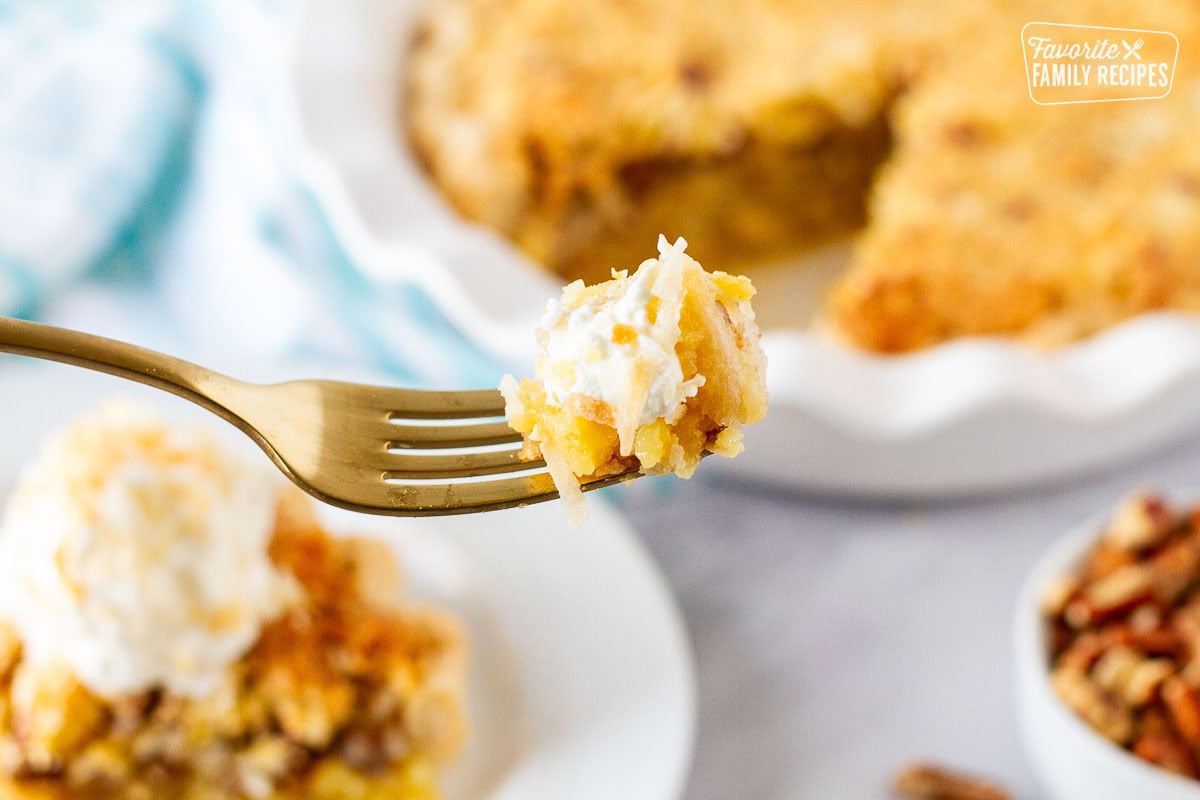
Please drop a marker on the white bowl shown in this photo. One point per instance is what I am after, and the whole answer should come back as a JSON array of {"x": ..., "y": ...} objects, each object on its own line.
[
  {"x": 976, "y": 415},
  {"x": 1072, "y": 761}
]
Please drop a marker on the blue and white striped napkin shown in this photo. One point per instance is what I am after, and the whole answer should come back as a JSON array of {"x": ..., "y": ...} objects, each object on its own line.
[{"x": 150, "y": 189}]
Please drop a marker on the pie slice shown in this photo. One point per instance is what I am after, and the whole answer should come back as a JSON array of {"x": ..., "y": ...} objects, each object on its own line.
[
  {"x": 645, "y": 372},
  {"x": 174, "y": 626}
]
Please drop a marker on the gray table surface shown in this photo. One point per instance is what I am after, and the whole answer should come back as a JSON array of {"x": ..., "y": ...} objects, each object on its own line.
[{"x": 835, "y": 641}]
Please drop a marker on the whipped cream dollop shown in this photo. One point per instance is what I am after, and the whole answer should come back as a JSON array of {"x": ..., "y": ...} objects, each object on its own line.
[
  {"x": 136, "y": 552},
  {"x": 621, "y": 349}
]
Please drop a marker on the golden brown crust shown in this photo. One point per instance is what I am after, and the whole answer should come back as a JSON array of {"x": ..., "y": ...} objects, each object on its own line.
[
  {"x": 581, "y": 129},
  {"x": 995, "y": 216},
  {"x": 344, "y": 690}
]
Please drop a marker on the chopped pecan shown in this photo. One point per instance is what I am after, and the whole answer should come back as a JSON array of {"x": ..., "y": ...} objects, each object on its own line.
[
  {"x": 931, "y": 782},
  {"x": 1116, "y": 593},
  {"x": 1141, "y": 522},
  {"x": 1059, "y": 593},
  {"x": 1185, "y": 622},
  {"x": 1081, "y": 654},
  {"x": 1105, "y": 559},
  {"x": 1144, "y": 682},
  {"x": 1182, "y": 702},
  {"x": 1146, "y": 618},
  {"x": 1166, "y": 750},
  {"x": 1104, "y": 711},
  {"x": 1173, "y": 570},
  {"x": 1153, "y": 642}
]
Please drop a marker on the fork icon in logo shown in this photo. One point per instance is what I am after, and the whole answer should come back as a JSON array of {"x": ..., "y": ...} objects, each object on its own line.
[{"x": 1132, "y": 49}]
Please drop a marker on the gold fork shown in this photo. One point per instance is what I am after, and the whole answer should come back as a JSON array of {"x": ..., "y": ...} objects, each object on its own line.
[{"x": 373, "y": 449}]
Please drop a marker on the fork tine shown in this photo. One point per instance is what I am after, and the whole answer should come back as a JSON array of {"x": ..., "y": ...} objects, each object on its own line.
[
  {"x": 420, "y": 497},
  {"x": 466, "y": 465},
  {"x": 492, "y": 495},
  {"x": 404, "y": 437},
  {"x": 508, "y": 492},
  {"x": 408, "y": 404}
]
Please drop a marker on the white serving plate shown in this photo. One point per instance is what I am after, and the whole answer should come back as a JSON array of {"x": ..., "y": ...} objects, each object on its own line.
[
  {"x": 581, "y": 676},
  {"x": 967, "y": 417}
]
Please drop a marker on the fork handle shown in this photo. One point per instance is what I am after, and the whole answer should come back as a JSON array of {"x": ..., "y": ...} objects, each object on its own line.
[{"x": 174, "y": 375}]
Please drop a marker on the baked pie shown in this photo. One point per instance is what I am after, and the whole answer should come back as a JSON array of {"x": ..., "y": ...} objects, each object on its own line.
[
  {"x": 647, "y": 371},
  {"x": 580, "y": 129},
  {"x": 174, "y": 625}
]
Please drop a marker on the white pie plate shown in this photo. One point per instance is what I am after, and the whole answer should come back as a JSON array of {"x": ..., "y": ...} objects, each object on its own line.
[
  {"x": 972, "y": 416},
  {"x": 582, "y": 681}
]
